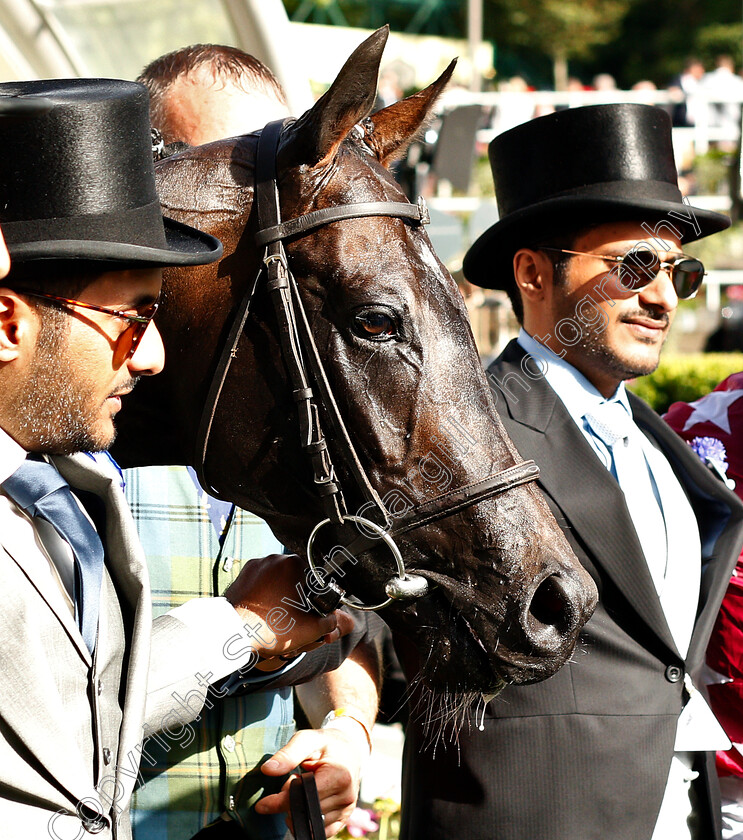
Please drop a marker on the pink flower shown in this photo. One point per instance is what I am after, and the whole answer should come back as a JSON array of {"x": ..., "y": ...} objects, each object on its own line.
[{"x": 361, "y": 823}]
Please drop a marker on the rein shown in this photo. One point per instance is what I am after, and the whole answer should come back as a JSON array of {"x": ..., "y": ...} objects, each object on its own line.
[{"x": 307, "y": 377}]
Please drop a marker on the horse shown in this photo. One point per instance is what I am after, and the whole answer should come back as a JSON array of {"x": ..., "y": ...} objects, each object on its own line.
[{"x": 345, "y": 393}]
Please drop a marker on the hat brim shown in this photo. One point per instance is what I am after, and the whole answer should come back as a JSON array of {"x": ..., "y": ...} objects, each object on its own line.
[
  {"x": 487, "y": 263},
  {"x": 185, "y": 245}
]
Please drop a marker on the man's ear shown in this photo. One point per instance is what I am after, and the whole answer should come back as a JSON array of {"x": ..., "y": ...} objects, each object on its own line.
[
  {"x": 17, "y": 324},
  {"x": 532, "y": 271}
]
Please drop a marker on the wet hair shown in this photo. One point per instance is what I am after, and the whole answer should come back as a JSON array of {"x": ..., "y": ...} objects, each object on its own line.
[{"x": 240, "y": 67}]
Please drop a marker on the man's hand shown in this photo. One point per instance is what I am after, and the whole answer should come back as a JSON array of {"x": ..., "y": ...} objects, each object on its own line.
[
  {"x": 277, "y": 627},
  {"x": 336, "y": 757}
]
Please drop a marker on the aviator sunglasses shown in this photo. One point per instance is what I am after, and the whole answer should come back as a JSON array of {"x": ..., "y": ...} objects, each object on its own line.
[
  {"x": 641, "y": 266},
  {"x": 137, "y": 323}
]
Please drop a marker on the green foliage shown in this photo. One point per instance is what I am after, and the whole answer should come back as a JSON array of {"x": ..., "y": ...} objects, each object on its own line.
[
  {"x": 685, "y": 378},
  {"x": 432, "y": 17},
  {"x": 657, "y": 35},
  {"x": 712, "y": 172},
  {"x": 564, "y": 27},
  {"x": 482, "y": 177},
  {"x": 718, "y": 39},
  {"x": 723, "y": 250}
]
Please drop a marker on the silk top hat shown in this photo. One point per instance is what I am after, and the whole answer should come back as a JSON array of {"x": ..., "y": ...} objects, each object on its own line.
[
  {"x": 602, "y": 163},
  {"x": 77, "y": 180}
]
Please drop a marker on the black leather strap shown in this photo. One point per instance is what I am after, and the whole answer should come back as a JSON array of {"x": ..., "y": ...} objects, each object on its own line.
[
  {"x": 317, "y": 218},
  {"x": 461, "y": 497},
  {"x": 304, "y": 804}
]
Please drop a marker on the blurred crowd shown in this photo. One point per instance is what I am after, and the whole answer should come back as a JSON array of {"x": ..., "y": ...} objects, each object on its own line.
[{"x": 698, "y": 96}]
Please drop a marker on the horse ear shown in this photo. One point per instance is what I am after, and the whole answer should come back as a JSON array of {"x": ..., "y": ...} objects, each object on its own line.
[
  {"x": 390, "y": 131},
  {"x": 315, "y": 137}
]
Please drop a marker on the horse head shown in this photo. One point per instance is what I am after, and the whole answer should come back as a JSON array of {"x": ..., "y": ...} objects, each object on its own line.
[{"x": 506, "y": 597}]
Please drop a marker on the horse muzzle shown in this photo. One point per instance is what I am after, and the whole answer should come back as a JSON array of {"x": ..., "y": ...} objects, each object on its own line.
[{"x": 555, "y": 610}]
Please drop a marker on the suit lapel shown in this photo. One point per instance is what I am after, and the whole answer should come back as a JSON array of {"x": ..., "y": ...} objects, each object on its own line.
[
  {"x": 25, "y": 693},
  {"x": 127, "y": 566},
  {"x": 48, "y": 587},
  {"x": 591, "y": 502}
]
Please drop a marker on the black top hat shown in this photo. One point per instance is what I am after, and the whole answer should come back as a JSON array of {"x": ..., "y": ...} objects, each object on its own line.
[
  {"x": 77, "y": 180},
  {"x": 24, "y": 106},
  {"x": 601, "y": 163}
]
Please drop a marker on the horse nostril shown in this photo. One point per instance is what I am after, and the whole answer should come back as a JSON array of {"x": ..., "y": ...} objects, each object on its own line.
[
  {"x": 551, "y": 613},
  {"x": 548, "y": 604}
]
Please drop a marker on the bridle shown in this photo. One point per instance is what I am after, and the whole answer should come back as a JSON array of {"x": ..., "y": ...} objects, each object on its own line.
[{"x": 310, "y": 389}]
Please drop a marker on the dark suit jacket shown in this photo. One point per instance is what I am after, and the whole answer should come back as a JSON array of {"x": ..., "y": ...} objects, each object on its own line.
[{"x": 584, "y": 755}]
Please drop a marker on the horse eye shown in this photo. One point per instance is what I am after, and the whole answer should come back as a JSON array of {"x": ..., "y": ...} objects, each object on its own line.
[{"x": 375, "y": 324}]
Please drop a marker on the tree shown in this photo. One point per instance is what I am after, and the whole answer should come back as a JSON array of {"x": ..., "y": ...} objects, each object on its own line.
[
  {"x": 434, "y": 17},
  {"x": 658, "y": 35},
  {"x": 562, "y": 29}
]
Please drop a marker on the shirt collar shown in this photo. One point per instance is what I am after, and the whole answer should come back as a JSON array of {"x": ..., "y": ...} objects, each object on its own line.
[
  {"x": 12, "y": 455},
  {"x": 577, "y": 394}
]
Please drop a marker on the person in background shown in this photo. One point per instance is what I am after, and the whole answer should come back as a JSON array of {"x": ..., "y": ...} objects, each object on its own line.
[
  {"x": 686, "y": 112},
  {"x": 724, "y": 84},
  {"x": 208, "y": 92},
  {"x": 713, "y": 427},
  {"x": 514, "y": 107},
  {"x": 196, "y": 545},
  {"x": 604, "y": 82},
  {"x": 620, "y": 742}
]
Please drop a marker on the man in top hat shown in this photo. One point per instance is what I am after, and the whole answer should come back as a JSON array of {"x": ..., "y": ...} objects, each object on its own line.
[
  {"x": 85, "y": 672},
  {"x": 618, "y": 743}
]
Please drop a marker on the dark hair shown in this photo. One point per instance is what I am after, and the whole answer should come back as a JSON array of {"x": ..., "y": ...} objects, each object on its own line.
[
  {"x": 240, "y": 67},
  {"x": 554, "y": 235},
  {"x": 66, "y": 278}
]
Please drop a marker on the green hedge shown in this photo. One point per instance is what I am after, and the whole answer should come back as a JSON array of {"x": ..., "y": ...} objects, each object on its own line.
[{"x": 685, "y": 378}]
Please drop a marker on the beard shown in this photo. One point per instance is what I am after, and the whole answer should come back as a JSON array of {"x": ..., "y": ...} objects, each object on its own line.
[
  {"x": 58, "y": 410},
  {"x": 594, "y": 344}
]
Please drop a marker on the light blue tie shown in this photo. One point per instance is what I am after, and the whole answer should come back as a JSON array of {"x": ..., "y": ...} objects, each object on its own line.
[
  {"x": 40, "y": 490},
  {"x": 663, "y": 518},
  {"x": 612, "y": 423}
]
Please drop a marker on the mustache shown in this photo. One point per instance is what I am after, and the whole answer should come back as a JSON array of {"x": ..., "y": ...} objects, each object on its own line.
[
  {"x": 126, "y": 386},
  {"x": 643, "y": 312}
]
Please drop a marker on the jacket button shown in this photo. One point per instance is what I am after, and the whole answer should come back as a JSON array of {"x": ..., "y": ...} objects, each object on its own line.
[
  {"x": 674, "y": 673},
  {"x": 100, "y": 688},
  {"x": 106, "y": 755}
]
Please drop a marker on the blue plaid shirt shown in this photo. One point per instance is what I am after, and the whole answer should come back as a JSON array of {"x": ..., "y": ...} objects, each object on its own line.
[{"x": 212, "y": 771}]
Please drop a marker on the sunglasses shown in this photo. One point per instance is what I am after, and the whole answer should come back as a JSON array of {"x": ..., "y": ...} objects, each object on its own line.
[
  {"x": 641, "y": 266},
  {"x": 128, "y": 341}
]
